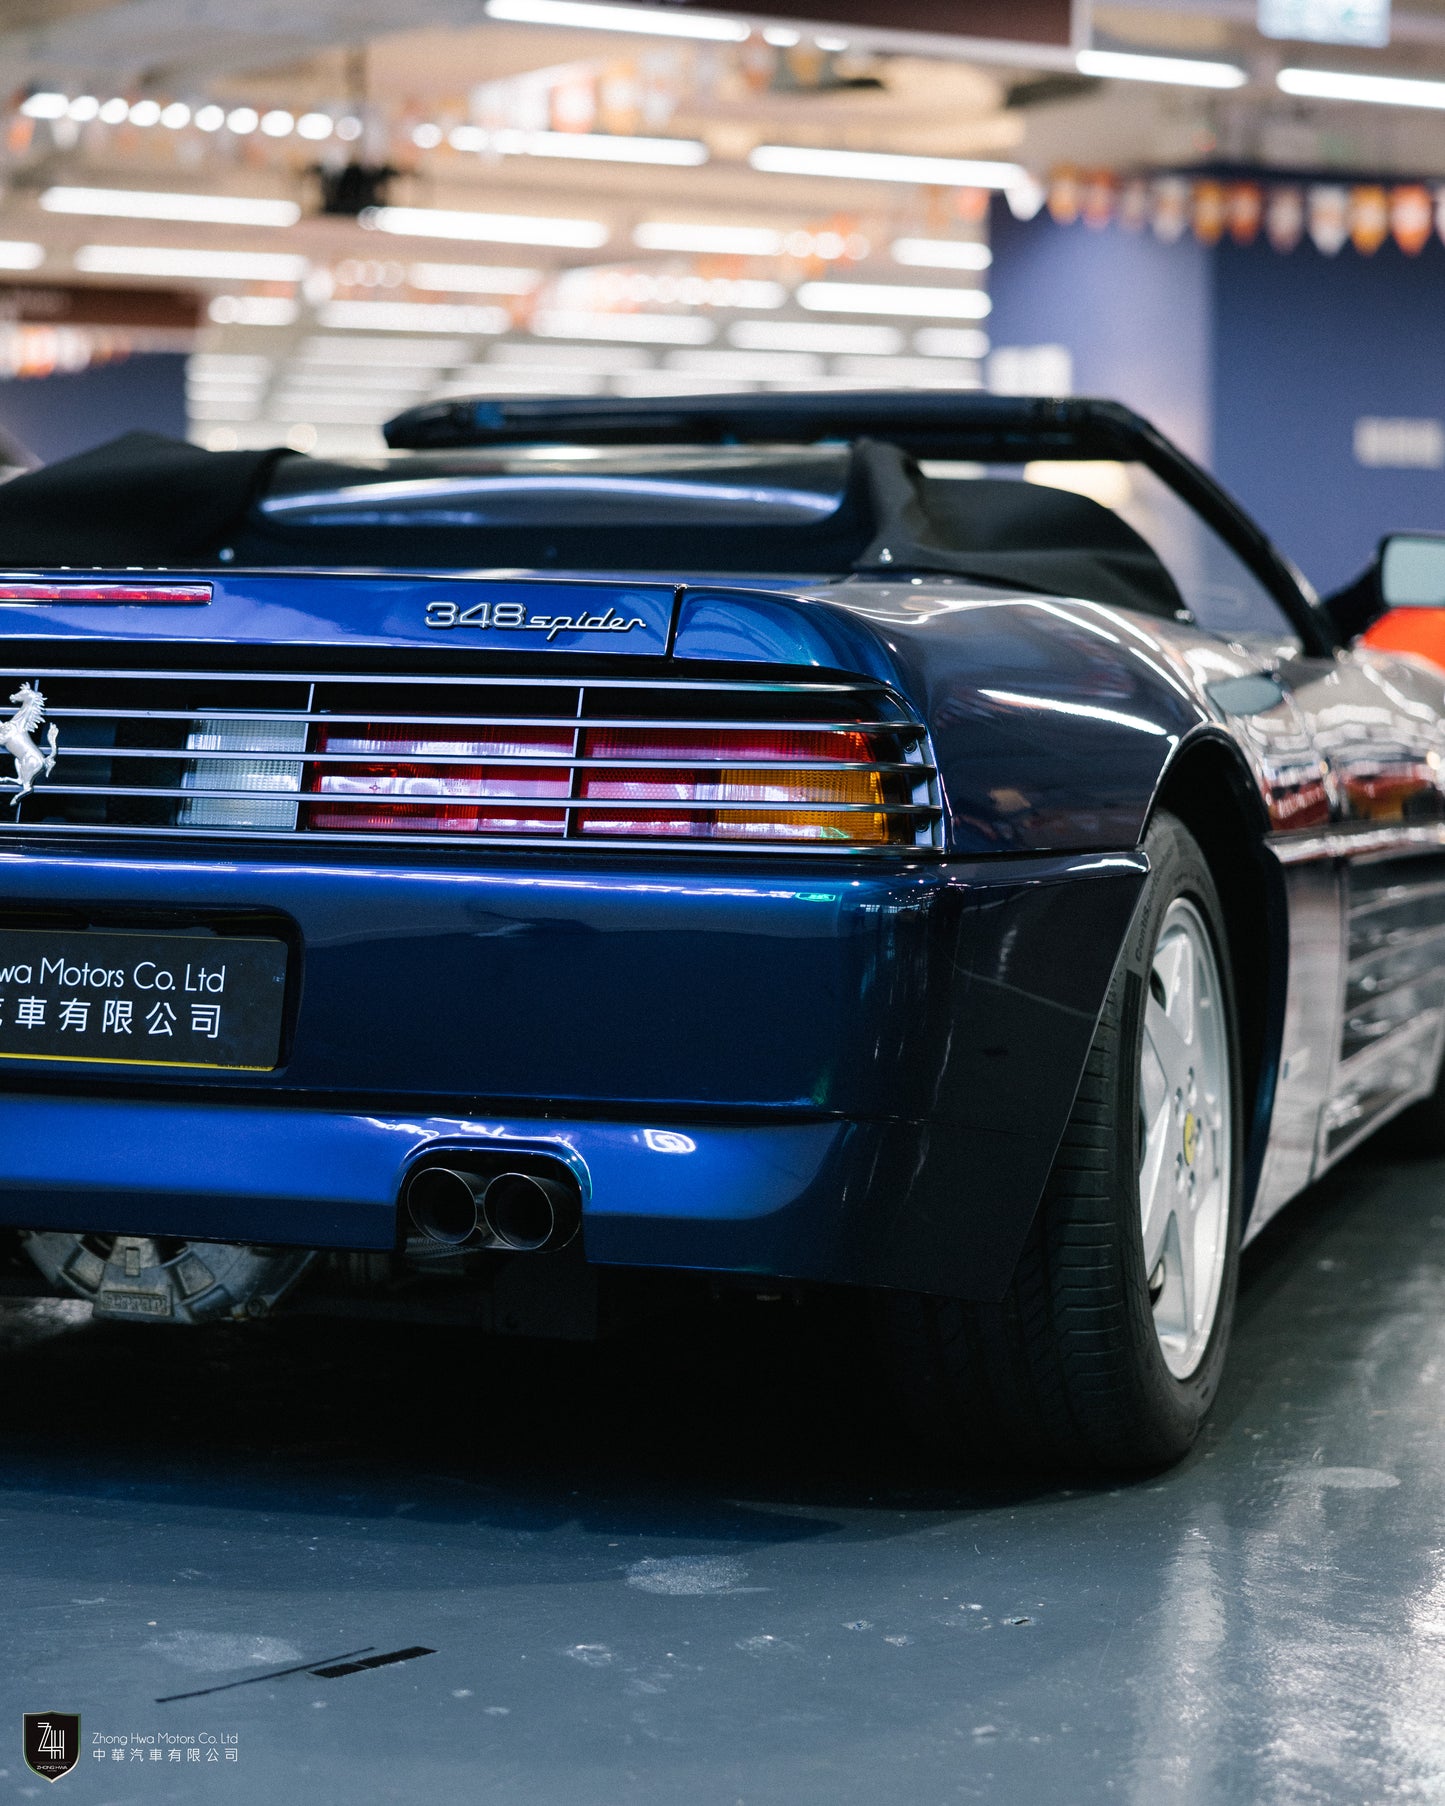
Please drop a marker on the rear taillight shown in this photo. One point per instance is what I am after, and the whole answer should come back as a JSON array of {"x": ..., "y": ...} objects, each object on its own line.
[
  {"x": 735, "y": 784},
  {"x": 384, "y": 777},
  {"x": 622, "y": 782}
]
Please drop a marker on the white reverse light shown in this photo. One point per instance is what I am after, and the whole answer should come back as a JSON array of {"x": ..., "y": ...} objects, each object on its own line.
[
  {"x": 17, "y": 254},
  {"x": 892, "y": 298},
  {"x": 942, "y": 253},
  {"x": 163, "y": 260},
  {"x": 1382, "y": 90},
  {"x": 134, "y": 203},
  {"x": 705, "y": 240},
  {"x": 581, "y": 15},
  {"x": 1179, "y": 71},
  {"x": 492, "y": 228},
  {"x": 883, "y": 166}
]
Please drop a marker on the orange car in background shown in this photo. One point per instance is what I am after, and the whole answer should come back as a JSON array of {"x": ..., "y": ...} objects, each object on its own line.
[{"x": 1416, "y": 629}]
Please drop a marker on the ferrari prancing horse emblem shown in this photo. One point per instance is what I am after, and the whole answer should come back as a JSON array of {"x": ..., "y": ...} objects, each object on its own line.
[{"x": 17, "y": 737}]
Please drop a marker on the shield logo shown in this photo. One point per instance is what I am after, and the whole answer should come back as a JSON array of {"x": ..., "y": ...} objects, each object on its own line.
[{"x": 52, "y": 1743}]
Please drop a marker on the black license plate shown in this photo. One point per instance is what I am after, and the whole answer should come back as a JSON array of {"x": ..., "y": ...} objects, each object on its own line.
[{"x": 141, "y": 999}]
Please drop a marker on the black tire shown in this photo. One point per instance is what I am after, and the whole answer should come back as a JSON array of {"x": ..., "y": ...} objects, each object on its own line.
[{"x": 1067, "y": 1371}]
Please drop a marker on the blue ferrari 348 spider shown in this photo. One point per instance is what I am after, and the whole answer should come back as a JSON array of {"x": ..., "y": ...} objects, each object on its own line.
[{"x": 932, "y": 845}]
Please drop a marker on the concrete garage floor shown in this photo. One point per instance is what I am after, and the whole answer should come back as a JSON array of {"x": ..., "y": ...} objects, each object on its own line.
[{"x": 675, "y": 1573}]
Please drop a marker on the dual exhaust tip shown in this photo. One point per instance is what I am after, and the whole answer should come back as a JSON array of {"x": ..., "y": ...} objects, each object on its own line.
[{"x": 520, "y": 1212}]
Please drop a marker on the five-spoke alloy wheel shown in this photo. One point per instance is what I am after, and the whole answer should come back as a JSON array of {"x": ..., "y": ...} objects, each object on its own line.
[{"x": 1108, "y": 1348}]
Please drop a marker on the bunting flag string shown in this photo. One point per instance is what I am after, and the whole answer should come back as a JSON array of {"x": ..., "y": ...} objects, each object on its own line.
[{"x": 1330, "y": 215}]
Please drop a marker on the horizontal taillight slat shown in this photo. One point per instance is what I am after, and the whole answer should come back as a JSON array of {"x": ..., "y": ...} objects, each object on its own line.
[
  {"x": 361, "y": 758},
  {"x": 333, "y": 718}
]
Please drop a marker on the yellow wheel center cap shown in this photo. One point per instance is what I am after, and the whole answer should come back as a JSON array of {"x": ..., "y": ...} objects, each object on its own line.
[{"x": 1191, "y": 1136}]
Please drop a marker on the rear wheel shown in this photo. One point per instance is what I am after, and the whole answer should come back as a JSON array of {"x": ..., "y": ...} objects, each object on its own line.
[{"x": 1108, "y": 1347}]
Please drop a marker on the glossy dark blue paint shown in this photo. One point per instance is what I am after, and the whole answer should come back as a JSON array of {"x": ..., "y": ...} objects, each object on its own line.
[
  {"x": 366, "y": 608},
  {"x": 1052, "y": 720},
  {"x": 872, "y": 1058},
  {"x": 925, "y": 1026}
]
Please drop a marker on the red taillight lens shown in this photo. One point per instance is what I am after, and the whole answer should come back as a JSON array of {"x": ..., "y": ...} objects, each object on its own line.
[
  {"x": 105, "y": 592},
  {"x": 737, "y": 784},
  {"x": 383, "y": 777},
  {"x": 809, "y": 785}
]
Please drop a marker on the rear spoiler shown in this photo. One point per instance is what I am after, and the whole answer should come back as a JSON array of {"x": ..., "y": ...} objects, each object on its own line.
[{"x": 970, "y": 425}]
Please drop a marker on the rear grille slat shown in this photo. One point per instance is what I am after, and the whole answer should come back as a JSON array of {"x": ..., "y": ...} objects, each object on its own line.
[{"x": 503, "y": 760}]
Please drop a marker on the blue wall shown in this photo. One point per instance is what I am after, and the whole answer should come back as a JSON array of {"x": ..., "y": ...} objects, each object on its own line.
[
  {"x": 1257, "y": 361},
  {"x": 1134, "y": 313},
  {"x": 1304, "y": 346},
  {"x": 52, "y": 416}
]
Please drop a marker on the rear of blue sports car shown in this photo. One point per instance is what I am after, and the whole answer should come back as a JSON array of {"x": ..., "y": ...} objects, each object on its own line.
[{"x": 456, "y": 939}]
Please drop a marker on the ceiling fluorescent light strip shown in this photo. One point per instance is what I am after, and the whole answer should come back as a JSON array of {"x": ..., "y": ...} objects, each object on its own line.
[
  {"x": 493, "y": 228},
  {"x": 200, "y": 265},
  {"x": 585, "y": 147},
  {"x": 411, "y": 316},
  {"x": 580, "y": 15},
  {"x": 1380, "y": 90},
  {"x": 1177, "y": 71},
  {"x": 704, "y": 240},
  {"x": 810, "y": 335},
  {"x": 253, "y": 310},
  {"x": 215, "y": 209},
  {"x": 472, "y": 279},
  {"x": 941, "y": 253},
  {"x": 18, "y": 254},
  {"x": 433, "y": 352},
  {"x": 890, "y": 299},
  {"x": 637, "y": 328},
  {"x": 883, "y": 166}
]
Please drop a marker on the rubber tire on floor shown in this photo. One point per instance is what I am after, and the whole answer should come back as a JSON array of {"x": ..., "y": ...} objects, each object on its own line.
[{"x": 1067, "y": 1371}]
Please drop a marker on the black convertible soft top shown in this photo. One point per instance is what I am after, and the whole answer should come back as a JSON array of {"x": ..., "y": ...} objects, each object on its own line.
[{"x": 143, "y": 500}]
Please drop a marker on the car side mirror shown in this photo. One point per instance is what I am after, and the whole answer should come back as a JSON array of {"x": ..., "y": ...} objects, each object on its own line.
[
  {"x": 1408, "y": 572},
  {"x": 1412, "y": 570}
]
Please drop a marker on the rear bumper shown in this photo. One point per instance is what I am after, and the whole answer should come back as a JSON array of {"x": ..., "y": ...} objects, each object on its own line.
[{"x": 856, "y": 1076}]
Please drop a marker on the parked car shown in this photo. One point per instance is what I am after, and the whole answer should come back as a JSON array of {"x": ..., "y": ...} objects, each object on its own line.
[{"x": 927, "y": 844}]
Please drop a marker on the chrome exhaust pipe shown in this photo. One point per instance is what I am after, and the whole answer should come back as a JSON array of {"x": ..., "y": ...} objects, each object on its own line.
[
  {"x": 525, "y": 1212},
  {"x": 520, "y": 1212},
  {"x": 445, "y": 1205}
]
